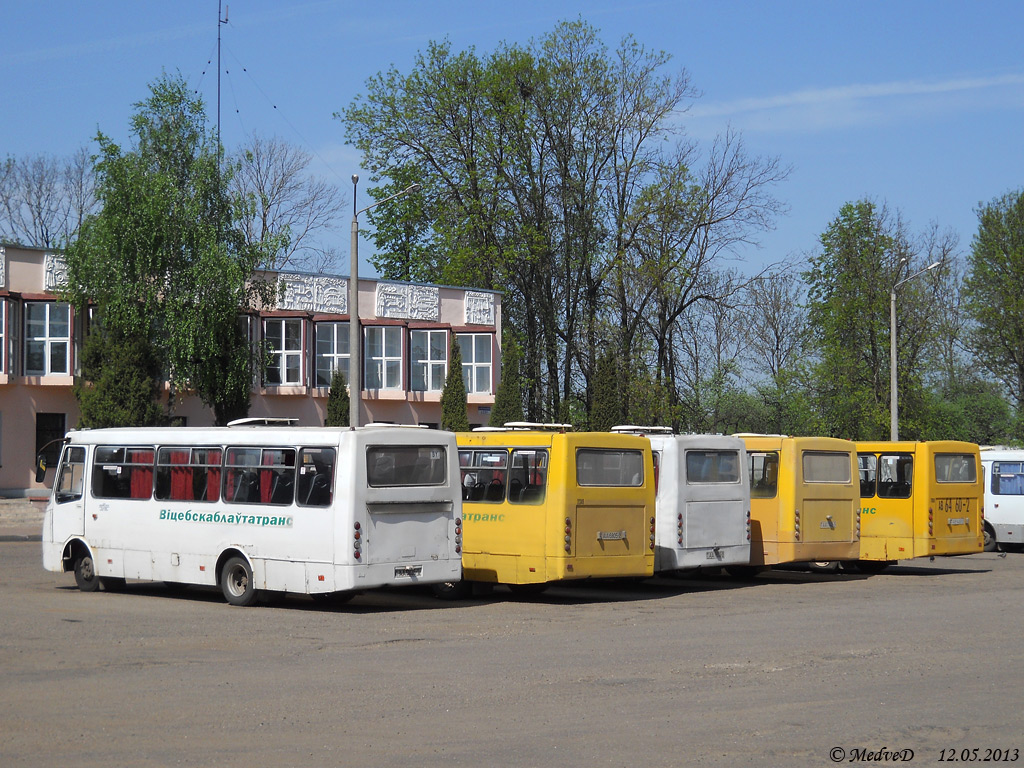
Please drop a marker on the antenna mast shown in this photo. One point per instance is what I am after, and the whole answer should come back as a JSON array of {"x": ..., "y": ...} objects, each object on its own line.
[{"x": 220, "y": 21}]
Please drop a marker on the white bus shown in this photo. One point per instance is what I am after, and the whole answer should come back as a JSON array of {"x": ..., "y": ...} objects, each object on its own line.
[
  {"x": 703, "y": 499},
  {"x": 1004, "y": 498},
  {"x": 318, "y": 511}
]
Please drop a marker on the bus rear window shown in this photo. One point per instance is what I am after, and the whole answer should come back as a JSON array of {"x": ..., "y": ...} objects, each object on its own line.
[
  {"x": 712, "y": 467},
  {"x": 826, "y": 467},
  {"x": 955, "y": 468},
  {"x": 389, "y": 466},
  {"x": 609, "y": 467}
]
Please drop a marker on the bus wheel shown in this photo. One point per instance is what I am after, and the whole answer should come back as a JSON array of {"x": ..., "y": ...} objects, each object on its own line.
[
  {"x": 236, "y": 582},
  {"x": 85, "y": 574},
  {"x": 824, "y": 566},
  {"x": 991, "y": 545},
  {"x": 452, "y": 590}
]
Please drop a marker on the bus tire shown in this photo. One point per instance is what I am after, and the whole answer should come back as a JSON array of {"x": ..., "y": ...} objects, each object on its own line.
[
  {"x": 85, "y": 573},
  {"x": 991, "y": 545},
  {"x": 452, "y": 590},
  {"x": 824, "y": 566},
  {"x": 236, "y": 582}
]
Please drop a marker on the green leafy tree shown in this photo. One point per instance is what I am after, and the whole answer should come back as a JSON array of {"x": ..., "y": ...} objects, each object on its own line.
[
  {"x": 453, "y": 396},
  {"x": 508, "y": 400},
  {"x": 165, "y": 259},
  {"x": 994, "y": 295},
  {"x": 539, "y": 166},
  {"x": 865, "y": 253},
  {"x": 338, "y": 402},
  {"x": 119, "y": 386}
]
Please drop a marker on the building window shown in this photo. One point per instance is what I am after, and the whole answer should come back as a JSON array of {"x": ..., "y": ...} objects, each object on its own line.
[
  {"x": 47, "y": 338},
  {"x": 49, "y": 434},
  {"x": 331, "y": 352},
  {"x": 428, "y": 360},
  {"x": 284, "y": 337},
  {"x": 383, "y": 358},
  {"x": 476, "y": 362}
]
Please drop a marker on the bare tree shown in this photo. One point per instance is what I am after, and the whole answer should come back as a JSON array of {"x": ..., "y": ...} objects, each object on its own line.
[
  {"x": 44, "y": 199},
  {"x": 775, "y": 324},
  {"x": 285, "y": 199}
]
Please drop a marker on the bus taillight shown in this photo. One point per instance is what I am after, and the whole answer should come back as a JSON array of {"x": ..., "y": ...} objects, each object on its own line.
[
  {"x": 458, "y": 535},
  {"x": 652, "y": 534},
  {"x": 679, "y": 528},
  {"x": 568, "y": 534},
  {"x": 357, "y": 544}
]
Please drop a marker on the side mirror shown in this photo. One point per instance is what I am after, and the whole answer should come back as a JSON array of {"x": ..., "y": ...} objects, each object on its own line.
[{"x": 40, "y": 468}]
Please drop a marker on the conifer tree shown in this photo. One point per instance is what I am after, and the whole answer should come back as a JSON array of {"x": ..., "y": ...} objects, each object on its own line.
[
  {"x": 337, "y": 402},
  {"x": 508, "y": 401},
  {"x": 453, "y": 396}
]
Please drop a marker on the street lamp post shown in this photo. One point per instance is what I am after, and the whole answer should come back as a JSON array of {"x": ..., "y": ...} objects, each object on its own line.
[
  {"x": 894, "y": 419},
  {"x": 355, "y": 380}
]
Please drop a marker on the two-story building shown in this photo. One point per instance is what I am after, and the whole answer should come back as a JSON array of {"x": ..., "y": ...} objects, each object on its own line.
[{"x": 407, "y": 332}]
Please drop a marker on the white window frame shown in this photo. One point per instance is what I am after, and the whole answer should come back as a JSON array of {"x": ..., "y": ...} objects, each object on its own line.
[
  {"x": 48, "y": 341},
  {"x": 387, "y": 368},
  {"x": 281, "y": 357},
  {"x": 330, "y": 359},
  {"x": 3, "y": 336},
  {"x": 474, "y": 370},
  {"x": 434, "y": 368}
]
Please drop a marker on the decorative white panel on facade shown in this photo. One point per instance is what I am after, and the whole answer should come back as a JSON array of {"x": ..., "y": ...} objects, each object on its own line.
[
  {"x": 424, "y": 302},
  {"x": 408, "y": 302},
  {"x": 3, "y": 267},
  {"x": 479, "y": 308},
  {"x": 332, "y": 295},
  {"x": 55, "y": 271},
  {"x": 310, "y": 293}
]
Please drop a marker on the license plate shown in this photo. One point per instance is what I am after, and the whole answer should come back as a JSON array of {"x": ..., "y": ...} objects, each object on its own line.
[
  {"x": 611, "y": 535},
  {"x": 408, "y": 571}
]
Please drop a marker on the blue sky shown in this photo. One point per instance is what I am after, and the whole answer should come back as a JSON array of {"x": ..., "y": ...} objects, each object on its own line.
[{"x": 916, "y": 104}]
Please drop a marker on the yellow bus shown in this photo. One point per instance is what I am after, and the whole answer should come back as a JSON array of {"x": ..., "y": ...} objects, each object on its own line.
[
  {"x": 804, "y": 499},
  {"x": 543, "y": 504},
  {"x": 919, "y": 499}
]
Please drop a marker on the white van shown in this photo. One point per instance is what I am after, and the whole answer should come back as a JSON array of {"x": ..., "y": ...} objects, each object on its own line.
[{"x": 1004, "y": 498}]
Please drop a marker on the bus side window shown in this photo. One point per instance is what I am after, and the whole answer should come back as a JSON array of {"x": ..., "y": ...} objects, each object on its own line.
[
  {"x": 866, "y": 468},
  {"x": 316, "y": 477},
  {"x": 1008, "y": 478},
  {"x": 528, "y": 476},
  {"x": 70, "y": 480},
  {"x": 895, "y": 473},
  {"x": 764, "y": 474},
  {"x": 121, "y": 472}
]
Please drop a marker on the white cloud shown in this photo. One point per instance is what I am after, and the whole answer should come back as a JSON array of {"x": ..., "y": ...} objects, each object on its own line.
[{"x": 813, "y": 109}]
